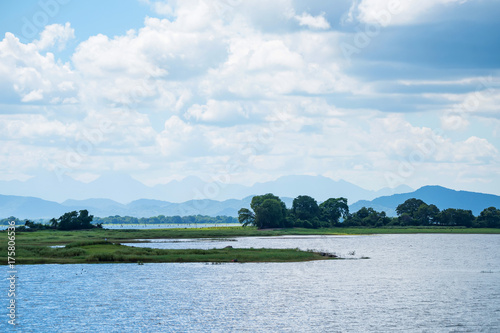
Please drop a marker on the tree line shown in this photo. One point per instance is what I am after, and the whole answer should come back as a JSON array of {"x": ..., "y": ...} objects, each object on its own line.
[
  {"x": 269, "y": 211},
  {"x": 83, "y": 220},
  {"x": 161, "y": 219},
  {"x": 68, "y": 221}
]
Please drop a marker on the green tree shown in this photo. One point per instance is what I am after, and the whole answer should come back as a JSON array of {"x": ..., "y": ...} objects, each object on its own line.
[
  {"x": 409, "y": 207},
  {"x": 332, "y": 209},
  {"x": 246, "y": 217},
  {"x": 259, "y": 199},
  {"x": 458, "y": 217},
  {"x": 426, "y": 214},
  {"x": 489, "y": 218},
  {"x": 74, "y": 220},
  {"x": 305, "y": 208},
  {"x": 367, "y": 217},
  {"x": 53, "y": 223},
  {"x": 269, "y": 214}
]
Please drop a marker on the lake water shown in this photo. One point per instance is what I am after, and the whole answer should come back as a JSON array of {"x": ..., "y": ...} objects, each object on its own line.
[
  {"x": 411, "y": 283},
  {"x": 170, "y": 226}
]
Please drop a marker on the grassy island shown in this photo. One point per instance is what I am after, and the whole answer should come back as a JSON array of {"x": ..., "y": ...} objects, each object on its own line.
[
  {"x": 103, "y": 245},
  {"x": 107, "y": 252}
]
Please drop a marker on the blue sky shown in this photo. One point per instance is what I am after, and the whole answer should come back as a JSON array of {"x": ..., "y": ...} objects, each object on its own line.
[{"x": 247, "y": 91}]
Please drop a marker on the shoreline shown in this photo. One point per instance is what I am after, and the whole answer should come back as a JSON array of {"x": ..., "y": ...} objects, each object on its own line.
[{"x": 104, "y": 245}]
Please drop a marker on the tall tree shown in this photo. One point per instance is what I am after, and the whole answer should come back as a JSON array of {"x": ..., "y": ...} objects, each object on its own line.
[
  {"x": 332, "y": 209},
  {"x": 409, "y": 207},
  {"x": 259, "y": 199},
  {"x": 459, "y": 217},
  {"x": 305, "y": 208},
  {"x": 489, "y": 218},
  {"x": 74, "y": 220},
  {"x": 246, "y": 217},
  {"x": 426, "y": 214},
  {"x": 367, "y": 217},
  {"x": 269, "y": 214}
]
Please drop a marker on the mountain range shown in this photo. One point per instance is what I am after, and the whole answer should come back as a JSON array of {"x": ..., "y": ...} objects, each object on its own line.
[
  {"x": 442, "y": 197},
  {"x": 124, "y": 189},
  {"x": 33, "y": 208}
]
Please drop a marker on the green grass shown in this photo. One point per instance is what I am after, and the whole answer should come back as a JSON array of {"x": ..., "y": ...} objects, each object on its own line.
[
  {"x": 57, "y": 237},
  {"x": 101, "y": 245},
  {"x": 106, "y": 252}
]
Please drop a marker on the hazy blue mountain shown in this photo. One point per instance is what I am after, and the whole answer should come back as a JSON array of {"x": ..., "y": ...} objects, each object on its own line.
[
  {"x": 123, "y": 189},
  {"x": 93, "y": 203},
  {"x": 33, "y": 208},
  {"x": 442, "y": 197},
  {"x": 321, "y": 188},
  {"x": 29, "y": 207},
  {"x": 46, "y": 185}
]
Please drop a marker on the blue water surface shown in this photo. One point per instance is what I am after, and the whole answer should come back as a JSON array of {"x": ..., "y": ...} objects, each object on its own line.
[{"x": 411, "y": 283}]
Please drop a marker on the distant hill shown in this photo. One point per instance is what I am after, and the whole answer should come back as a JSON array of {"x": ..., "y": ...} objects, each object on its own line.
[
  {"x": 29, "y": 207},
  {"x": 442, "y": 197},
  {"x": 122, "y": 189},
  {"x": 34, "y": 208}
]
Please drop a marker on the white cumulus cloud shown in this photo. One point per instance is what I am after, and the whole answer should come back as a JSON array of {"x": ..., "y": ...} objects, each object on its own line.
[{"x": 314, "y": 22}]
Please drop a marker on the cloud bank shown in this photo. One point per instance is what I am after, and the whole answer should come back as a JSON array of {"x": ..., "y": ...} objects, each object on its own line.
[{"x": 251, "y": 91}]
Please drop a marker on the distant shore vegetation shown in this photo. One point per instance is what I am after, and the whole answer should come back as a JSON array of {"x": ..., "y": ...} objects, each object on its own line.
[
  {"x": 74, "y": 220},
  {"x": 269, "y": 211},
  {"x": 130, "y": 220},
  {"x": 161, "y": 219}
]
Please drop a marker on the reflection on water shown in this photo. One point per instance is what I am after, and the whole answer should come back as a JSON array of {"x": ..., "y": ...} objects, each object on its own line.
[{"x": 414, "y": 283}]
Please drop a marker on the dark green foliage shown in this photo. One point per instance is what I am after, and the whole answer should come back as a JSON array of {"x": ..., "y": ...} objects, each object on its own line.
[
  {"x": 416, "y": 212},
  {"x": 246, "y": 217},
  {"x": 367, "y": 217},
  {"x": 455, "y": 217},
  {"x": 304, "y": 207},
  {"x": 426, "y": 214},
  {"x": 161, "y": 219},
  {"x": 10, "y": 219},
  {"x": 333, "y": 209},
  {"x": 32, "y": 226},
  {"x": 258, "y": 200},
  {"x": 409, "y": 207},
  {"x": 489, "y": 218},
  {"x": 75, "y": 221},
  {"x": 268, "y": 212}
]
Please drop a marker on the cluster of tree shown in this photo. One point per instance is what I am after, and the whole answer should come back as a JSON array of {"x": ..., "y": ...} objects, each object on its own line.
[
  {"x": 416, "y": 212},
  {"x": 269, "y": 211},
  {"x": 160, "y": 219},
  {"x": 9, "y": 220},
  {"x": 17, "y": 221},
  {"x": 68, "y": 221},
  {"x": 367, "y": 217}
]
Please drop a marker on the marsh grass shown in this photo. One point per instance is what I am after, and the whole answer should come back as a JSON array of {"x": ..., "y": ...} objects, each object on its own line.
[
  {"x": 57, "y": 237},
  {"x": 114, "y": 253},
  {"x": 102, "y": 245}
]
